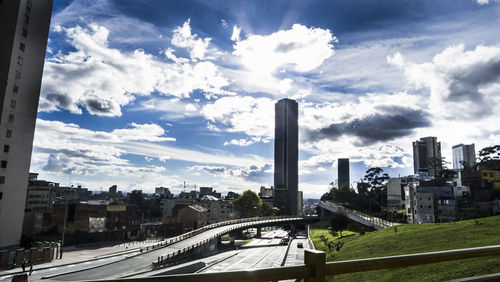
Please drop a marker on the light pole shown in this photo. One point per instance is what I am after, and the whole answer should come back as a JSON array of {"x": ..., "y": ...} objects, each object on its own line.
[{"x": 64, "y": 225}]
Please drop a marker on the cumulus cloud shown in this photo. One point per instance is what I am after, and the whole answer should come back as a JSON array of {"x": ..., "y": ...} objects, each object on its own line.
[
  {"x": 302, "y": 47},
  {"x": 171, "y": 108},
  {"x": 252, "y": 116},
  {"x": 252, "y": 173},
  {"x": 184, "y": 38},
  {"x": 103, "y": 79},
  {"x": 460, "y": 81},
  {"x": 377, "y": 127}
]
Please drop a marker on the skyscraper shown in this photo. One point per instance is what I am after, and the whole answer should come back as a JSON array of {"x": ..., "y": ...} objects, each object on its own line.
[
  {"x": 343, "y": 173},
  {"x": 24, "y": 27},
  {"x": 463, "y": 153},
  {"x": 426, "y": 155},
  {"x": 286, "y": 155}
]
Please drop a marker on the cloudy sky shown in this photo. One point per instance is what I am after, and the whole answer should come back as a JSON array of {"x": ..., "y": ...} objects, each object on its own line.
[{"x": 154, "y": 93}]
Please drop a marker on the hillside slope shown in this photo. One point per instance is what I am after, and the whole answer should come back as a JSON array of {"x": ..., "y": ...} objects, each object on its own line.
[{"x": 419, "y": 238}]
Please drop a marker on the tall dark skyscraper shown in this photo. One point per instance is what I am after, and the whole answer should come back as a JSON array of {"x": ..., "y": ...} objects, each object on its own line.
[
  {"x": 343, "y": 173},
  {"x": 24, "y": 28},
  {"x": 286, "y": 156},
  {"x": 425, "y": 153}
]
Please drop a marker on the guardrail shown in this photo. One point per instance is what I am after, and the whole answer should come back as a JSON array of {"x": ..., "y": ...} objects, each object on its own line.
[
  {"x": 241, "y": 223},
  {"x": 316, "y": 269},
  {"x": 374, "y": 220},
  {"x": 170, "y": 241}
]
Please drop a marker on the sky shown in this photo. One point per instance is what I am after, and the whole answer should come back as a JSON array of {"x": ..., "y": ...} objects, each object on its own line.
[{"x": 150, "y": 93}]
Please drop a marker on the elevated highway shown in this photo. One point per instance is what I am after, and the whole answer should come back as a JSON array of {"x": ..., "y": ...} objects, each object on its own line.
[
  {"x": 365, "y": 219},
  {"x": 188, "y": 245}
]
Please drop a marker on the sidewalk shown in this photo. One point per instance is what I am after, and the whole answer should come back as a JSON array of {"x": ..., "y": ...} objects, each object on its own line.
[{"x": 88, "y": 252}]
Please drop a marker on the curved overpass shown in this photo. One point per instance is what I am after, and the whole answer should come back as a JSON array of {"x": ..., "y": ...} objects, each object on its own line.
[
  {"x": 365, "y": 219},
  {"x": 204, "y": 238}
]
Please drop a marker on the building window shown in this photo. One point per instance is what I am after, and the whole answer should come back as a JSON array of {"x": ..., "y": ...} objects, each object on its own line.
[
  {"x": 28, "y": 6},
  {"x": 11, "y": 118},
  {"x": 26, "y": 19},
  {"x": 25, "y": 32},
  {"x": 19, "y": 60},
  {"x": 2, "y": 179},
  {"x": 18, "y": 74},
  {"x": 429, "y": 207},
  {"x": 12, "y": 103},
  {"x": 3, "y": 164},
  {"x": 22, "y": 46},
  {"x": 15, "y": 88},
  {"x": 1, "y": 195},
  {"x": 6, "y": 148},
  {"x": 9, "y": 133}
]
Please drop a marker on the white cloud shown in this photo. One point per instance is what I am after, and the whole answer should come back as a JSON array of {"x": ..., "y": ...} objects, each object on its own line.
[
  {"x": 460, "y": 82},
  {"x": 304, "y": 48},
  {"x": 246, "y": 142},
  {"x": 236, "y": 33},
  {"x": 183, "y": 38},
  {"x": 223, "y": 23},
  {"x": 103, "y": 79},
  {"x": 252, "y": 173},
  {"x": 252, "y": 116},
  {"x": 171, "y": 108}
]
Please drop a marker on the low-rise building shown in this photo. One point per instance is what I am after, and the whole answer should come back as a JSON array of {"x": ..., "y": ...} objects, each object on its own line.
[{"x": 217, "y": 209}]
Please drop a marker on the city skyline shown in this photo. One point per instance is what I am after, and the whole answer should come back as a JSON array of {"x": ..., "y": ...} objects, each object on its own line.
[{"x": 152, "y": 95}]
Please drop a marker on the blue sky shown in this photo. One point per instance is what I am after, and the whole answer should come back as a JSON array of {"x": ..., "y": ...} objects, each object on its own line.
[{"x": 154, "y": 93}]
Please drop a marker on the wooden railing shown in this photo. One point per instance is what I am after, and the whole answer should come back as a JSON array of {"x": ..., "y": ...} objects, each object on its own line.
[{"x": 316, "y": 269}]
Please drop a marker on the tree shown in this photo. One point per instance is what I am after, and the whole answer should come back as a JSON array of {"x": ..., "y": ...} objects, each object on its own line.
[
  {"x": 267, "y": 209},
  {"x": 441, "y": 169},
  {"x": 377, "y": 180},
  {"x": 489, "y": 157},
  {"x": 339, "y": 223},
  {"x": 248, "y": 204}
]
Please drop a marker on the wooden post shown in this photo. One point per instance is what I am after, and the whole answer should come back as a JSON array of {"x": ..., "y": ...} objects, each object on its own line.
[{"x": 315, "y": 260}]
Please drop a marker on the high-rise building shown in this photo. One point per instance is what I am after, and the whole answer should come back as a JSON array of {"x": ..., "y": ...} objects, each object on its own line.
[
  {"x": 463, "y": 154},
  {"x": 426, "y": 155},
  {"x": 24, "y": 27},
  {"x": 343, "y": 173},
  {"x": 286, "y": 156}
]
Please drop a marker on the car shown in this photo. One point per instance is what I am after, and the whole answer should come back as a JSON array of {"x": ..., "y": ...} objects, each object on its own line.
[{"x": 299, "y": 245}]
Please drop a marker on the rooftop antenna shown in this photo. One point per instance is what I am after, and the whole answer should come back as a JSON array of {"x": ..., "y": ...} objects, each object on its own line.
[{"x": 184, "y": 189}]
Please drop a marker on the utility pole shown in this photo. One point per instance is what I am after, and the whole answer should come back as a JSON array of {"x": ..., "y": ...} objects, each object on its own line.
[{"x": 64, "y": 225}]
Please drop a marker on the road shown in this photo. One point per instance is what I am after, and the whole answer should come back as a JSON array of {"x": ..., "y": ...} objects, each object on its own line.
[
  {"x": 125, "y": 264},
  {"x": 261, "y": 252}
]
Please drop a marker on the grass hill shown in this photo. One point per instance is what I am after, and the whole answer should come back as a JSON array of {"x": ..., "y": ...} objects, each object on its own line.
[{"x": 416, "y": 238}]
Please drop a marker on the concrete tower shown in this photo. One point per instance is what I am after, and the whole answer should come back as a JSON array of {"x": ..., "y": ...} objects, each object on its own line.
[
  {"x": 286, "y": 156},
  {"x": 463, "y": 153},
  {"x": 24, "y": 28},
  {"x": 343, "y": 173},
  {"x": 425, "y": 152}
]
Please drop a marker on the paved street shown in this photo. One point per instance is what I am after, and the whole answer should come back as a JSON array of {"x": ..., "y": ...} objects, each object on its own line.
[
  {"x": 122, "y": 264},
  {"x": 259, "y": 253}
]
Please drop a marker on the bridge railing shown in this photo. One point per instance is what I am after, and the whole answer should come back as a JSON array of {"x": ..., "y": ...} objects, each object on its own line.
[
  {"x": 316, "y": 269},
  {"x": 163, "y": 260},
  {"x": 173, "y": 240},
  {"x": 375, "y": 220}
]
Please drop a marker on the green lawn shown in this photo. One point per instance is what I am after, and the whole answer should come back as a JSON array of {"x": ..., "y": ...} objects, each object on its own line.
[{"x": 413, "y": 238}]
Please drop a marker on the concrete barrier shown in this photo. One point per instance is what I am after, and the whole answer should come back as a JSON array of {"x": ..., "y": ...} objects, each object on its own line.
[{"x": 33, "y": 255}]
